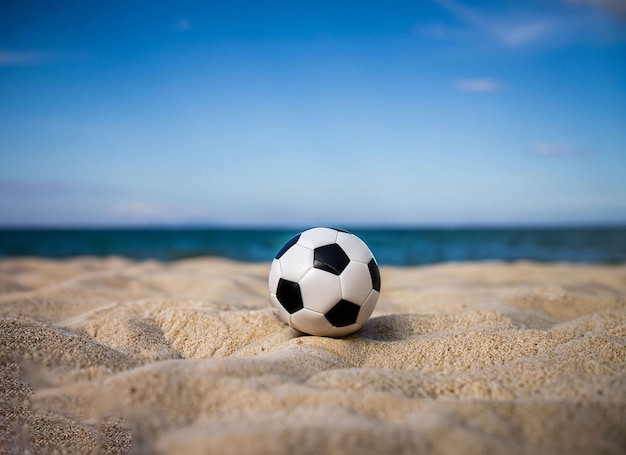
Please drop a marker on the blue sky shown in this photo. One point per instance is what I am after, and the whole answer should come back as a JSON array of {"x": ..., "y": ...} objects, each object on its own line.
[{"x": 437, "y": 112}]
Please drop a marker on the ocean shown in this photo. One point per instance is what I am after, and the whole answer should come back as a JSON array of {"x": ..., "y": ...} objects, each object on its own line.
[{"x": 399, "y": 247}]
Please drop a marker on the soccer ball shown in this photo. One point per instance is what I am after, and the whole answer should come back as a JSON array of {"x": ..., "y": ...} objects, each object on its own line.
[{"x": 324, "y": 282}]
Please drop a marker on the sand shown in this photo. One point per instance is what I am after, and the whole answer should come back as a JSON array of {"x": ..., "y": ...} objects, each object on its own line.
[{"x": 118, "y": 356}]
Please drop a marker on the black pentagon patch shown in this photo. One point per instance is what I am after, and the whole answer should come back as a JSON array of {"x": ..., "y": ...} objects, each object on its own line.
[
  {"x": 289, "y": 296},
  {"x": 343, "y": 313},
  {"x": 291, "y": 242},
  {"x": 375, "y": 274},
  {"x": 330, "y": 258}
]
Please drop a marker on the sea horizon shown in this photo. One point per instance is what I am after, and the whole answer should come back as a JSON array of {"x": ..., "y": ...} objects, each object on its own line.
[
  {"x": 399, "y": 245},
  {"x": 580, "y": 224}
]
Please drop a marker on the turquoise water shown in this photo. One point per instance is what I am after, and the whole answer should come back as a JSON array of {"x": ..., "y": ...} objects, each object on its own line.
[{"x": 390, "y": 246}]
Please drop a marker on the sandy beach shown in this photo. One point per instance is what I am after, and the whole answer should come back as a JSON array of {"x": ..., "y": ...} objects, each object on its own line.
[{"x": 120, "y": 356}]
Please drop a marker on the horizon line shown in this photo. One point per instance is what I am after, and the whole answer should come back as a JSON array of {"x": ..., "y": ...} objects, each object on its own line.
[{"x": 301, "y": 227}]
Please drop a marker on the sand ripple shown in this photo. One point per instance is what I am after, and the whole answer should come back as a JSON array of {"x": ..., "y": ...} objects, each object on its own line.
[{"x": 145, "y": 357}]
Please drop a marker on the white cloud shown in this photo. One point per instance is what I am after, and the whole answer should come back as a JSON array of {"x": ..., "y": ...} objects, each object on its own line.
[
  {"x": 558, "y": 150},
  {"x": 506, "y": 32},
  {"x": 478, "y": 85},
  {"x": 10, "y": 57},
  {"x": 524, "y": 33}
]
